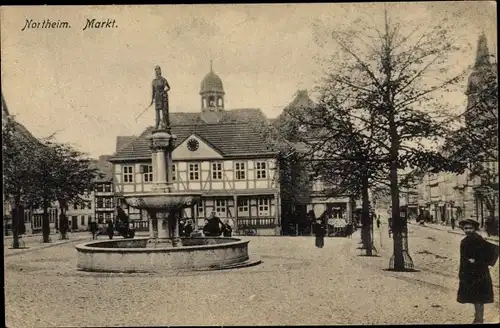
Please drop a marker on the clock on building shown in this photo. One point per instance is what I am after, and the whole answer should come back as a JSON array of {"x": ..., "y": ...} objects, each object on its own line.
[{"x": 193, "y": 144}]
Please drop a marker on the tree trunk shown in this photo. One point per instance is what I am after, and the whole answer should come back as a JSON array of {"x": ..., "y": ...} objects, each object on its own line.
[
  {"x": 400, "y": 260},
  {"x": 15, "y": 222},
  {"x": 366, "y": 236},
  {"x": 61, "y": 219},
  {"x": 45, "y": 222}
]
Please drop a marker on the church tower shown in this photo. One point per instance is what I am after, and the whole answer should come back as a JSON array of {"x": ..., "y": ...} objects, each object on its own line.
[
  {"x": 482, "y": 72},
  {"x": 212, "y": 92}
]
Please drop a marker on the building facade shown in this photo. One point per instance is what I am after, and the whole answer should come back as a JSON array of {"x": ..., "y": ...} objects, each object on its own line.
[
  {"x": 447, "y": 195},
  {"x": 314, "y": 194},
  {"x": 218, "y": 152},
  {"x": 104, "y": 198}
]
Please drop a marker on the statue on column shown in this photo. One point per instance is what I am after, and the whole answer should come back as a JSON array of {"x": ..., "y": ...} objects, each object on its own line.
[{"x": 160, "y": 99}]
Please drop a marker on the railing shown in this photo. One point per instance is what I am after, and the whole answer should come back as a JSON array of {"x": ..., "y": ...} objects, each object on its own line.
[
  {"x": 255, "y": 223},
  {"x": 140, "y": 225}
]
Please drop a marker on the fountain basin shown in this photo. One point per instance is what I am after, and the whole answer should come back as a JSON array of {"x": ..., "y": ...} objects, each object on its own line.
[
  {"x": 162, "y": 201},
  {"x": 132, "y": 255}
]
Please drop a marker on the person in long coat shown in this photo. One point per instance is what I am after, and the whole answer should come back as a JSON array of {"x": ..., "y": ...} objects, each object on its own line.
[
  {"x": 476, "y": 255},
  {"x": 93, "y": 229},
  {"x": 110, "y": 229},
  {"x": 319, "y": 232}
]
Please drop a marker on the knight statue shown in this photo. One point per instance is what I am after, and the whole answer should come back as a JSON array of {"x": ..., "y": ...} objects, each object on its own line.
[{"x": 160, "y": 99}]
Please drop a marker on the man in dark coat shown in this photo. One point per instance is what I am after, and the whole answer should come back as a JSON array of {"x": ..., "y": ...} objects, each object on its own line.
[
  {"x": 213, "y": 228},
  {"x": 476, "y": 254},
  {"x": 319, "y": 231},
  {"x": 110, "y": 229},
  {"x": 93, "y": 229}
]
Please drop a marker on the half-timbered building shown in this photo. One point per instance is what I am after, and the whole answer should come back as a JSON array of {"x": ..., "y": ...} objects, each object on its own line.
[{"x": 218, "y": 152}]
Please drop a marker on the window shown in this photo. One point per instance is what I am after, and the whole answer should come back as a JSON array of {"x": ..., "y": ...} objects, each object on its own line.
[
  {"x": 100, "y": 202},
  {"x": 174, "y": 173},
  {"x": 263, "y": 206},
  {"x": 37, "y": 221},
  {"x": 89, "y": 205},
  {"x": 216, "y": 171},
  {"x": 240, "y": 170},
  {"x": 242, "y": 205},
  {"x": 220, "y": 206},
  {"x": 200, "y": 209},
  {"x": 52, "y": 216},
  {"x": 100, "y": 218},
  {"x": 194, "y": 172},
  {"x": 82, "y": 220},
  {"x": 147, "y": 173},
  {"x": 107, "y": 216},
  {"x": 107, "y": 187},
  {"x": 261, "y": 170},
  {"x": 108, "y": 203},
  {"x": 127, "y": 174}
]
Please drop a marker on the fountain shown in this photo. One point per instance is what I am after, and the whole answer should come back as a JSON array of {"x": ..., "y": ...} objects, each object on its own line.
[{"x": 164, "y": 206}]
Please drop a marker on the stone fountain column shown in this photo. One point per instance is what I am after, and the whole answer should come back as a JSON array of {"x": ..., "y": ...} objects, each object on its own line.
[{"x": 162, "y": 145}]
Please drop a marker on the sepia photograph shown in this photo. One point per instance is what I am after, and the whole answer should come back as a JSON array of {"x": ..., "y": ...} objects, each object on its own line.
[{"x": 250, "y": 164}]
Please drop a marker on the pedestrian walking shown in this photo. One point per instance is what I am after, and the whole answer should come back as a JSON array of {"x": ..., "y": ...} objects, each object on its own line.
[
  {"x": 349, "y": 230},
  {"x": 319, "y": 232},
  {"x": 378, "y": 222},
  {"x": 110, "y": 229},
  {"x": 452, "y": 221},
  {"x": 476, "y": 255},
  {"x": 93, "y": 229}
]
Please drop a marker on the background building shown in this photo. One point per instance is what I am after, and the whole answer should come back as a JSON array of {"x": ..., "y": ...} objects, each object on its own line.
[
  {"x": 447, "y": 195},
  {"x": 104, "y": 200},
  {"x": 312, "y": 194}
]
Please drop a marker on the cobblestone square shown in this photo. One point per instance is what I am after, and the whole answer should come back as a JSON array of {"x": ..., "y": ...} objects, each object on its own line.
[{"x": 297, "y": 283}]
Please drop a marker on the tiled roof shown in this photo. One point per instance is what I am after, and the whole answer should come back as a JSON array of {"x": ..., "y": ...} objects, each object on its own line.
[
  {"x": 20, "y": 129},
  {"x": 122, "y": 141},
  {"x": 236, "y": 134}
]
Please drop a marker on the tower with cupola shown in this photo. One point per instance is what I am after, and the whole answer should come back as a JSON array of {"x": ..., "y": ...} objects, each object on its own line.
[{"x": 212, "y": 92}]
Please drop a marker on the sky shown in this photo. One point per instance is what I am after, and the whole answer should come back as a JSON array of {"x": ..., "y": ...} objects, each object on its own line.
[{"x": 88, "y": 86}]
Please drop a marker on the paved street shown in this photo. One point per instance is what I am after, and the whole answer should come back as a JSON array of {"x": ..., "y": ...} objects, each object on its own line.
[
  {"x": 296, "y": 284},
  {"x": 35, "y": 242}
]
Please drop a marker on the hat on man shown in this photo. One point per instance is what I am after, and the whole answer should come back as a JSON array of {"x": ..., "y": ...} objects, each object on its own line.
[{"x": 470, "y": 221}]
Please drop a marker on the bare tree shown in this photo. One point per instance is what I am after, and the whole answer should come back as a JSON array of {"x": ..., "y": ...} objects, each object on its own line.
[{"x": 386, "y": 85}]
